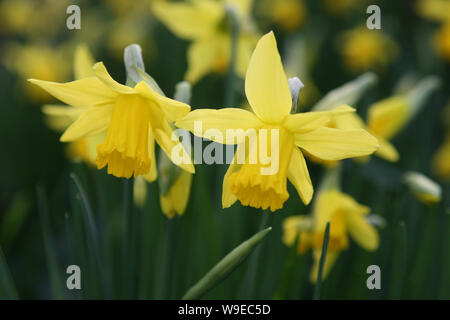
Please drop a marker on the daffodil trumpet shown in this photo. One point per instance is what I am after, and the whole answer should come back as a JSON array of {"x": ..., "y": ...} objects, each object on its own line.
[{"x": 269, "y": 96}]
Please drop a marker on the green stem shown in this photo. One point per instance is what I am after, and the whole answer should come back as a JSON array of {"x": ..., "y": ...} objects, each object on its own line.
[
  {"x": 126, "y": 215},
  {"x": 322, "y": 262}
]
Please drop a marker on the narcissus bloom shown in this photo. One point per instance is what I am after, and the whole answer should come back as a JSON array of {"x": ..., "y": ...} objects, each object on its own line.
[
  {"x": 363, "y": 49},
  {"x": 204, "y": 22},
  {"x": 133, "y": 118},
  {"x": 346, "y": 217},
  {"x": 269, "y": 96},
  {"x": 287, "y": 14},
  {"x": 423, "y": 188}
]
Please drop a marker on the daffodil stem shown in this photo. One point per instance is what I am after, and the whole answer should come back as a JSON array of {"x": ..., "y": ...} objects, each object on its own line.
[
  {"x": 229, "y": 91},
  {"x": 322, "y": 262},
  {"x": 127, "y": 207}
]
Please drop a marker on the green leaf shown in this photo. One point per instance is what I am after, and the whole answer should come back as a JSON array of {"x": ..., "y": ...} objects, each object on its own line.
[
  {"x": 50, "y": 252},
  {"x": 7, "y": 287},
  {"x": 323, "y": 255},
  {"x": 225, "y": 266}
]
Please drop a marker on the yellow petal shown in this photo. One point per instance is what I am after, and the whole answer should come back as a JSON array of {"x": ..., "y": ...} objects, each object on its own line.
[
  {"x": 303, "y": 122},
  {"x": 189, "y": 20},
  {"x": 177, "y": 198},
  {"x": 92, "y": 121},
  {"x": 362, "y": 231},
  {"x": 334, "y": 144},
  {"x": 228, "y": 198},
  {"x": 294, "y": 225},
  {"x": 83, "y": 62},
  {"x": 348, "y": 121},
  {"x": 266, "y": 85},
  {"x": 204, "y": 55},
  {"x": 171, "y": 108},
  {"x": 59, "y": 117},
  {"x": 330, "y": 259},
  {"x": 79, "y": 93},
  {"x": 387, "y": 151},
  {"x": 389, "y": 116},
  {"x": 222, "y": 119},
  {"x": 102, "y": 74},
  {"x": 153, "y": 173},
  {"x": 298, "y": 175}
]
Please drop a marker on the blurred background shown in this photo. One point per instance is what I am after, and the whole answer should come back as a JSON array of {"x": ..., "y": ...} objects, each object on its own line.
[{"x": 326, "y": 44}]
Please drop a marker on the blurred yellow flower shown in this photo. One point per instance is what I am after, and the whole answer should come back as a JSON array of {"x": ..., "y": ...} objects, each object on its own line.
[
  {"x": 289, "y": 15},
  {"x": 363, "y": 49},
  {"x": 38, "y": 61},
  {"x": 341, "y": 6},
  {"x": 131, "y": 117},
  {"x": 176, "y": 198},
  {"x": 346, "y": 217},
  {"x": 204, "y": 22},
  {"x": 441, "y": 159},
  {"x": 269, "y": 96},
  {"x": 438, "y": 11}
]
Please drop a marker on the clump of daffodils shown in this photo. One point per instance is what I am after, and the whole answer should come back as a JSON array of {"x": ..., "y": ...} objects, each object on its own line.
[
  {"x": 363, "y": 49},
  {"x": 269, "y": 96}
]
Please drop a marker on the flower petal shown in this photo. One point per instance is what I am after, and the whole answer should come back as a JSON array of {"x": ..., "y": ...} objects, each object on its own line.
[
  {"x": 189, "y": 20},
  {"x": 362, "y": 231},
  {"x": 334, "y": 144},
  {"x": 222, "y": 119},
  {"x": 387, "y": 151},
  {"x": 228, "y": 198},
  {"x": 102, "y": 74},
  {"x": 83, "y": 62},
  {"x": 171, "y": 108},
  {"x": 92, "y": 121},
  {"x": 153, "y": 173},
  {"x": 298, "y": 175},
  {"x": 330, "y": 259},
  {"x": 308, "y": 121},
  {"x": 266, "y": 84},
  {"x": 203, "y": 55},
  {"x": 80, "y": 93}
]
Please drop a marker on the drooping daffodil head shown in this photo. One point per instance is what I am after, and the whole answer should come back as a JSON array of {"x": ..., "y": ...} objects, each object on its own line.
[{"x": 133, "y": 118}]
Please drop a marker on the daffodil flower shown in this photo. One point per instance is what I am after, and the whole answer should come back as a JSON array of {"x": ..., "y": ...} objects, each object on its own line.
[
  {"x": 204, "y": 22},
  {"x": 269, "y": 96},
  {"x": 346, "y": 217},
  {"x": 133, "y": 118},
  {"x": 363, "y": 49},
  {"x": 423, "y": 188}
]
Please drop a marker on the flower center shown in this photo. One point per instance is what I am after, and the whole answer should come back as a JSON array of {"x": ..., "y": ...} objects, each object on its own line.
[
  {"x": 125, "y": 149},
  {"x": 262, "y": 180}
]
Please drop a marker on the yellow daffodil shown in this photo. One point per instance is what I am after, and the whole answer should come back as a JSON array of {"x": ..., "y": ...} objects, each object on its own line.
[
  {"x": 176, "y": 198},
  {"x": 441, "y": 160},
  {"x": 204, "y": 22},
  {"x": 289, "y": 15},
  {"x": 133, "y": 118},
  {"x": 346, "y": 217},
  {"x": 423, "y": 188},
  {"x": 439, "y": 11},
  {"x": 269, "y": 96},
  {"x": 363, "y": 49},
  {"x": 59, "y": 117}
]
